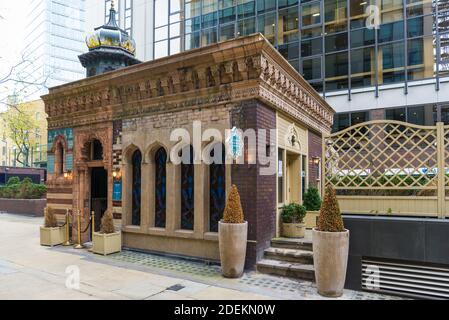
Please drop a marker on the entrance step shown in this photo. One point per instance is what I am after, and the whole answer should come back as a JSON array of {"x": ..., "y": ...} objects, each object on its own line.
[
  {"x": 287, "y": 243},
  {"x": 289, "y": 255},
  {"x": 286, "y": 269}
]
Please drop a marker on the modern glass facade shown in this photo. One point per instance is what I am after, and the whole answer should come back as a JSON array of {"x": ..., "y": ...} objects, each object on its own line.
[
  {"x": 327, "y": 41},
  {"x": 54, "y": 39}
]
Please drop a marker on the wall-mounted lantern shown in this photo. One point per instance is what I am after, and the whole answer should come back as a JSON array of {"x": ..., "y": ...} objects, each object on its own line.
[
  {"x": 116, "y": 174},
  {"x": 316, "y": 160},
  {"x": 68, "y": 175}
]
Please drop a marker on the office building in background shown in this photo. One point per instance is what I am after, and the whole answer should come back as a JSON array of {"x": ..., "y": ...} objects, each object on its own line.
[
  {"x": 54, "y": 37},
  {"x": 395, "y": 71},
  {"x": 133, "y": 16}
]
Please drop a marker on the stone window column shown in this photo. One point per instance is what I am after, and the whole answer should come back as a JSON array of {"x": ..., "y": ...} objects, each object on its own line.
[
  {"x": 173, "y": 222},
  {"x": 201, "y": 194},
  {"x": 146, "y": 214},
  {"x": 127, "y": 175}
]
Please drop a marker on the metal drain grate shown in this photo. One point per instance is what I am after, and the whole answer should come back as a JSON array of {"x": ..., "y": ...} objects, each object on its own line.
[
  {"x": 176, "y": 287},
  {"x": 409, "y": 279}
]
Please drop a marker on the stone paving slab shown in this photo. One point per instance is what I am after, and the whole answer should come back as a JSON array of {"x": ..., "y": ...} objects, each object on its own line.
[
  {"x": 29, "y": 271},
  {"x": 252, "y": 282}
]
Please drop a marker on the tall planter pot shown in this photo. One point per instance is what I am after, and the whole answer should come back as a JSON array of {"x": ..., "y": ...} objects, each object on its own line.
[
  {"x": 232, "y": 243},
  {"x": 330, "y": 257}
]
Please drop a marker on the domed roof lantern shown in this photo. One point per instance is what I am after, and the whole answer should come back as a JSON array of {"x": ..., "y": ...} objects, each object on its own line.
[{"x": 110, "y": 48}]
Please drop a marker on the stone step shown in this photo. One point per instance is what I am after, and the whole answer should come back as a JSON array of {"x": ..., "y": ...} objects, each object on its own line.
[
  {"x": 286, "y": 269},
  {"x": 298, "y": 244},
  {"x": 290, "y": 255}
]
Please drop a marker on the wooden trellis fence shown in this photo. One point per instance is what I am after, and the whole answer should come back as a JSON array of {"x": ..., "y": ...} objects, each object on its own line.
[{"x": 387, "y": 167}]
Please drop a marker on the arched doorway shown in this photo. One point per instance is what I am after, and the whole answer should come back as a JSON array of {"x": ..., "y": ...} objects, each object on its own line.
[{"x": 98, "y": 181}]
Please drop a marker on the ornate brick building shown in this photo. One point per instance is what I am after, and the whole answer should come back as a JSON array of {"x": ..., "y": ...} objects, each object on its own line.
[{"x": 110, "y": 139}]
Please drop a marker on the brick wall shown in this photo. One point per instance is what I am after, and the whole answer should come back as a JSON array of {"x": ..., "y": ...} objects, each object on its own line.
[
  {"x": 377, "y": 114},
  {"x": 257, "y": 192},
  {"x": 315, "y": 150},
  {"x": 23, "y": 206}
]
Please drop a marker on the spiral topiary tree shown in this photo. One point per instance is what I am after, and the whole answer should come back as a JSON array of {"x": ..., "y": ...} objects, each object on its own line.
[
  {"x": 233, "y": 212},
  {"x": 107, "y": 223},
  {"x": 50, "y": 218},
  {"x": 330, "y": 219}
]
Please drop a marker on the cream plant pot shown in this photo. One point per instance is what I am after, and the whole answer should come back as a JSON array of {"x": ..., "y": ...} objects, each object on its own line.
[
  {"x": 105, "y": 244},
  {"x": 293, "y": 230},
  {"x": 52, "y": 236},
  {"x": 232, "y": 238},
  {"x": 330, "y": 257}
]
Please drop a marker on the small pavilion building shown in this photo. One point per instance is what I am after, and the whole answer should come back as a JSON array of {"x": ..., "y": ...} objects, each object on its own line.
[{"x": 112, "y": 146}]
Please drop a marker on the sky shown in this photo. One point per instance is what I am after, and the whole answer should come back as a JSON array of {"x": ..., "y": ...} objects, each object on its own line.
[{"x": 12, "y": 20}]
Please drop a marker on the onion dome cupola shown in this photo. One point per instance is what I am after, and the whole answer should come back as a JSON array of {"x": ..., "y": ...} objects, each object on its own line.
[{"x": 110, "y": 48}]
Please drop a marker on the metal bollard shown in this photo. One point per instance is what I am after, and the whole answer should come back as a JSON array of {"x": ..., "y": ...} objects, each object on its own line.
[
  {"x": 67, "y": 231},
  {"x": 79, "y": 245}
]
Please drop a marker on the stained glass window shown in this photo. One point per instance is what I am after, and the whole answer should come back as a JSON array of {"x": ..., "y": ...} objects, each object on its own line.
[
  {"x": 217, "y": 189},
  {"x": 136, "y": 195},
  {"x": 160, "y": 160},
  {"x": 187, "y": 189}
]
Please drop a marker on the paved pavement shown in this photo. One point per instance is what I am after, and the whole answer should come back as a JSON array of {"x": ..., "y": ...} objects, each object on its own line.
[{"x": 29, "y": 271}]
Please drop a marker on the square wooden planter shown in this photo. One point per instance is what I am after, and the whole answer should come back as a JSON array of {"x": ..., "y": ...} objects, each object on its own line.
[
  {"x": 105, "y": 244},
  {"x": 52, "y": 236}
]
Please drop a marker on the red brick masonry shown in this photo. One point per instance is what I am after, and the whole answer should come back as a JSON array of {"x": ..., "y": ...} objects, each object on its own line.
[{"x": 23, "y": 206}]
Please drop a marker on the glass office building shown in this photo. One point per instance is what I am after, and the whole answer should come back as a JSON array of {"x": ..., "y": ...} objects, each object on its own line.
[
  {"x": 371, "y": 59},
  {"x": 53, "y": 40},
  {"x": 327, "y": 41}
]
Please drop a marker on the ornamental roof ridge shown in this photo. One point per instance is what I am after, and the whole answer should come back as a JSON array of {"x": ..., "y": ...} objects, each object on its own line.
[
  {"x": 218, "y": 52},
  {"x": 249, "y": 61}
]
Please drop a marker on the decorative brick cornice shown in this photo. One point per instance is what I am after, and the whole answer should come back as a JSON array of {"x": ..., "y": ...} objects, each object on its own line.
[{"x": 243, "y": 68}]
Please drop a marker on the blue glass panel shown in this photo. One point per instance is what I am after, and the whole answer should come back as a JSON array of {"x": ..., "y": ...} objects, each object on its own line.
[
  {"x": 160, "y": 160},
  {"x": 117, "y": 191},
  {"x": 217, "y": 191},
  {"x": 187, "y": 190},
  {"x": 136, "y": 191},
  {"x": 51, "y": 164}
]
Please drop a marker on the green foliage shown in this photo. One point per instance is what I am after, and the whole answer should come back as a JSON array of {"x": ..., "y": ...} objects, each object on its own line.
[
  {"x": 293, "y": 213},
  {"x": 26, "y": 189},
  {"x": 387, "y": 185},
  {"x": 312, "y": 199},
  {"x": 13, "y": 181}
]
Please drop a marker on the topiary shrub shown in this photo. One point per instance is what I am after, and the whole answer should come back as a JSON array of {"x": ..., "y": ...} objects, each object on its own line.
[
  {"x": 330, "y": 219},
  {"x": 50, "y": 218},
  {"x": 233, "y": 212},
  {"x": 312, "y": 199},
  {"x": 107, "y": 223},
  {"x": 38, "y": 191},
  {"x": 293, "y": 213}
]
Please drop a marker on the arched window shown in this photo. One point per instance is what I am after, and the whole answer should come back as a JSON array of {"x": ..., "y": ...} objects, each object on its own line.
[
  {"x": 187, "y": 188},
  {"x": 217, "y": 187},
  {"x": 136, "y": 187},
  {"x": 160, "y": 160},
  {"x": 96, "y": 150},
  {"x": 59, "y": 158}
]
